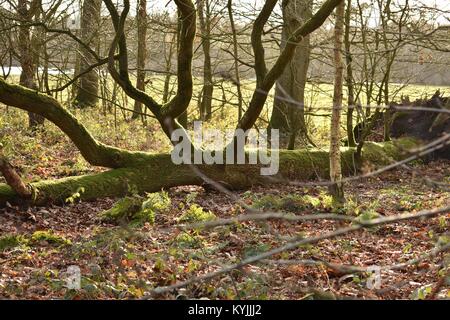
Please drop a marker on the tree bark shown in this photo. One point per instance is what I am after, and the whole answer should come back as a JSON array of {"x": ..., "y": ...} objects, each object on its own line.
[
  {"x": 27, "y": 54},
  {"x": 158, "y": 172},
  {"x": 288, "y": 113},
  {"x": 349, "y": 77},
  {"x": 204, "y": 14},
  {"x": 88, "y": 85},
  {"x": 337, "y": 189},
  {"x": 237, "y": 76},
  {"x": 265, "y": 79},
  {"x": 169, "y": 49},
  {"x": 141, "y": 54},
  {"x": 13, "y": 179}
]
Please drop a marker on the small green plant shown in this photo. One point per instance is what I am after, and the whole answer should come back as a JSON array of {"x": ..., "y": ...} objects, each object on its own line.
[
  {"x": 443, "y": 223},
  {"x": 188, "y": 241},
  {"x": 137, "y": 209},
  {"x": 267, "y": 202},
  {"x": 313, "y": 201},
  {"x": 50, "y": 237},
  {"x": 293, "y": 203},
  {"x": 253, "y": 288},
  {"x": 352, "y": 207},
  {"x": 155, "y": 203},
  {"x": 326, "y": 200},
  {"x": 196, "y": 213},
  {"x": 123, "y": 210},
  {"x": 407, "y": 248},
  {"x": 191, "y": 197},
  {"x": 363, "y": 213},
  {"x": 367, "y": 215},
  {"x": 76, "y": 195},
  {"x": 422, "y": 292},
  {"x": 255, "y": 249},
  {"x": 12, "y": 241}
]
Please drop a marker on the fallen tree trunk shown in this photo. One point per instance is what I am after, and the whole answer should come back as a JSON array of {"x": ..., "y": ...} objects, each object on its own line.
[{"x": 158, "y": 172}]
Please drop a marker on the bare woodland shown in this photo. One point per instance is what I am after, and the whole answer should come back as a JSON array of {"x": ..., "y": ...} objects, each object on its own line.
[{"x": 91, "y": 93}]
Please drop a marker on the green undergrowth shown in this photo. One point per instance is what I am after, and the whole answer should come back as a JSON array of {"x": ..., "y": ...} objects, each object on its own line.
[
  {"x": 137, "y": 209},
  {"x": 196, "y": 213},
  {"x": 290, "y": 203},
  {"x": 9, "y": 242},
  {"x": 49, "y": 237},
  {"x": 188, "y": 240},
  {"x": 297, "y": 203}
]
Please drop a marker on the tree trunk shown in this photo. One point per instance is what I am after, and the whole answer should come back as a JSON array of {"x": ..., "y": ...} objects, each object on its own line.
[
  {"x": 237, "y": 77},
  {"x": 88, "y": 85},
  {"x": 13, "y": 179},
  {"x": 141, "y": 54},
  {"x": 169, "y": 48},
  {"x": 337, "y": 190},
  {"x": 158, "y": 172},
  {"x": 288, "y": 113},
  {"x": 349, "y": 77},
  {"x": 27, "y": 56},
  {"x": 204, "y": 14}
]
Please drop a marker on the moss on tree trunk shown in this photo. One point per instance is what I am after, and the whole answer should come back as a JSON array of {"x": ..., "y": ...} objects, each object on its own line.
[{"x": 158, "y": 172}]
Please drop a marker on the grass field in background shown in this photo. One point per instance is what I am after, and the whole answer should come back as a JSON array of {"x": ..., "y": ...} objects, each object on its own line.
[{"x": 116, "y": 129}]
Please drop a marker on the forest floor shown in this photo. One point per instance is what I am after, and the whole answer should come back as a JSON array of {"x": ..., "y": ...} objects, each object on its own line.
[{"x": 37, "y": 245}]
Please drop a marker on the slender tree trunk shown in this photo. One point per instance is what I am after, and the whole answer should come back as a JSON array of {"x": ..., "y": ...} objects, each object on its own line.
[
  {"x": 349, "y": 77},
  {"x": 337, "y": 190},
  {"x": 288, "y": 110},
  {"x": 88, "y": 85},
  {"x": 182, "y": 118},
  {"x": 27, "y": 56},
  {"x": 237, "y": 77},
  {"x": 204, "y": 14},
  {"x": 141, "y": 54},
  {"x": 169, "y": 48}
]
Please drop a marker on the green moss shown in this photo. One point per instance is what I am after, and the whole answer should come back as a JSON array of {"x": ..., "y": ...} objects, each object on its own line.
[
  {"x": 123, "y": 210},
  {"x": 267, "y": 202},
  {"x": 375, "y": 153},
  {"x": 138, "y": 209},
  {"x": 304, "y": 164},
  {"x": 6, "y": 194},
  {"x": 196, "y": 213},
  {"x": 187, "y": 241},
  {"x": 388, "y": 152},
  {"x": 159, "y": 172},
  {"x": 50, "y": 237},
  {"x": 158, "y": 202},
  {"x": 313, "y": 201},
  {"x": 292, "y": 202},
  {"x": 367, "y": 215},
  {"x": 312, "y": 163},
  {"x": 12, "y": 241}
]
